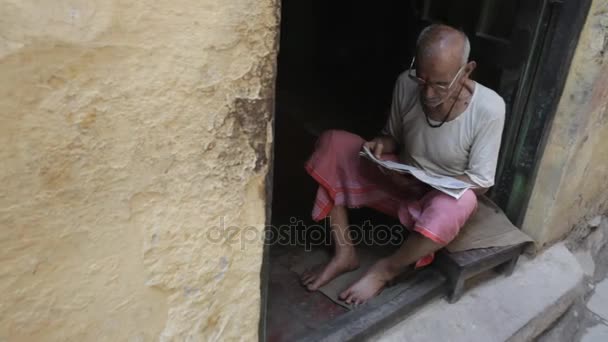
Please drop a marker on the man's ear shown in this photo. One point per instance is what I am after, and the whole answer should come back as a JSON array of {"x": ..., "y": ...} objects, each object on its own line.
[{"x": 470, "y": 68}]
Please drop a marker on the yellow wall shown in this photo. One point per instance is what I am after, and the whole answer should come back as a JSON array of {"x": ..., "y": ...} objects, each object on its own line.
[
  {"x": 128, "y": 129},
  {"x": 572, "y": 181}
]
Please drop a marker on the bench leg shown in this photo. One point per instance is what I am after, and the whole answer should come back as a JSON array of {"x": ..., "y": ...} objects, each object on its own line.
[
  {"x": 457, "y": 289},
  {"x": 508, "y": 267}
]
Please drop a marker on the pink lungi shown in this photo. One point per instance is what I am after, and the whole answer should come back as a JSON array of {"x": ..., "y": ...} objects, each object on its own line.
[{"x": 349, "y": 180}]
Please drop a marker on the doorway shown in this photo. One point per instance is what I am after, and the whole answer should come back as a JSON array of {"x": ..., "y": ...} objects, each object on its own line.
[
  {"x": 337, "y": 65},
  {"x": 338, "y": 62}
]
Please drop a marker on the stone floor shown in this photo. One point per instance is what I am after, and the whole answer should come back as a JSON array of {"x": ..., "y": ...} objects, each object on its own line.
[
  {"x": 598, "y": 305},
  {"x": 515, "y": 308},
  {"x": 561, "y": 295},
  {"x": 292, "y": 311},
  {"x": 296, "y": 314},
  {"x": 587, "y": 319}
]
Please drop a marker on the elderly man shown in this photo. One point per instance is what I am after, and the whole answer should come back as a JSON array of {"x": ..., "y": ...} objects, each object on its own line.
[{"x": 442, "y": 122}]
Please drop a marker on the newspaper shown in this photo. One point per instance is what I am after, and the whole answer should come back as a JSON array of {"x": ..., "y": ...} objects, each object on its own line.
[{"x": 448, "y": 185}]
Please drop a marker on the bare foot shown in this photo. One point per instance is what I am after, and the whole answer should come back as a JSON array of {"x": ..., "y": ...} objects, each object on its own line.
[
  {"x": 374, "y": 280},
  {"x": 321, "y": 275}
]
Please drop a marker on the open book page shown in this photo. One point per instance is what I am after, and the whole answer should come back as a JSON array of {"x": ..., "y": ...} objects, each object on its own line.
[
  {"x": 391, "y": 165},
  {"x": 442, "y": 181},
  {"x": 399, "y": 167},
  {"x": 456, "y": 193},
  {"x": 448, "y": 185}
]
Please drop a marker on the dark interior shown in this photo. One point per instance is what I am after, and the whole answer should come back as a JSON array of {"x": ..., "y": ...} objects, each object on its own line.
[
  {"x": 337, "y": 65},
  {"x": 339, "y": 60}
]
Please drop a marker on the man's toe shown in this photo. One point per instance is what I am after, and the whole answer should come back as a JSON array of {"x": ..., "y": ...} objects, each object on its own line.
[
  {"x": 310, "y": 279},
  {"x": 350, "y": 299},
  {"x": 344, "y": 295},
  {"x": 312, "y": 286}
]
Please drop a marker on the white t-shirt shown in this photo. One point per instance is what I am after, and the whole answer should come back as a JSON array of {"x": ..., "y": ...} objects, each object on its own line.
[{"x": 467, "y": 145}]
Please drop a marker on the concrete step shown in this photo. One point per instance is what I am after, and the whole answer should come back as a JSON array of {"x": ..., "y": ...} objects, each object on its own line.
[{"x": 515, "y": 308}]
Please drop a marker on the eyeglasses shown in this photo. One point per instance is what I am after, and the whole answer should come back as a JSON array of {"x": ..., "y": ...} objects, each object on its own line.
[{"x": 436, "y": 87}]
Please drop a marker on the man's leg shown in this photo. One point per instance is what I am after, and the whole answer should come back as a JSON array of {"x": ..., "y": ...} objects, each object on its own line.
[
  {"x": 439, "y": 222},
  {"x": 415, "y": 248},
  {"x": 345, "y": 257},
  {"x": 346, "y": 180}
]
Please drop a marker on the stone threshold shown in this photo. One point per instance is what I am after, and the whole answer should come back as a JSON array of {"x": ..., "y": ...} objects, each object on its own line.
[
  {"x": 366, "y": 320},
  {"x": 515, "y": 308}
]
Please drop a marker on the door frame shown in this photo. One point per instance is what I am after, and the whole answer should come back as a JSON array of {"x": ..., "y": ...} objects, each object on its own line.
[{"x": 538, "y": 95}]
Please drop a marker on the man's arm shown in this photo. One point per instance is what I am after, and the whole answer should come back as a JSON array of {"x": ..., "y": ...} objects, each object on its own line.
[
  {"x": 483, "y": 156},
  {"x": 403, "y": 93}
]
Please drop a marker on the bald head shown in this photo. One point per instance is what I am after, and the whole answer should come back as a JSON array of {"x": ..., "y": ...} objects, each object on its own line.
[
  {"x": 445, "y": 41},
  {"x": 442, "y": 63}
]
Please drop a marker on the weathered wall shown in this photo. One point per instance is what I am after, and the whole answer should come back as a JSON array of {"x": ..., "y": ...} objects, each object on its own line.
[
  {"x": 128, "y": 128},
  {"x": 572, "y": 181}
]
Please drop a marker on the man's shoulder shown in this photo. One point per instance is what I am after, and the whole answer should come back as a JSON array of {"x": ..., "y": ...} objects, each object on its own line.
[
  {"x": 404, "y": 81},
  {"x": 490, "y": 103}
]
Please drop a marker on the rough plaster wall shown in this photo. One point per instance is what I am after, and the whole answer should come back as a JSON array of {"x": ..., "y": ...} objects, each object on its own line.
[
  {"x": 128, "y": 130},
  {"x": 573, "y": 175}
]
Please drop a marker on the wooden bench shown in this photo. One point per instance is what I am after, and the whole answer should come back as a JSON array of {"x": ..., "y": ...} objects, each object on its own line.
[
  {"x": 471, "y": 253},
  {"x": 461, "y": 266}
]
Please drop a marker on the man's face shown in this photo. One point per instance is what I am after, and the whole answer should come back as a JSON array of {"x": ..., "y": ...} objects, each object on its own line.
[{"x": 438, "y": 73}]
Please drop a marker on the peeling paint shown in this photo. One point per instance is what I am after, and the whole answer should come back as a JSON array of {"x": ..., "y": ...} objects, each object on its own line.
[{"x": 570, "y": 184}]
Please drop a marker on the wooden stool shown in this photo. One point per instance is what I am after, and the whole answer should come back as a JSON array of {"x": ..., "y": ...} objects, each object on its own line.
[{"x": 460, "y": 266}]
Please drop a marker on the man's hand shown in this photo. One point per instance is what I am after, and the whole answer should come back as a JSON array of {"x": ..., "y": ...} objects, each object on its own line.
[
  {"x": 376, "y": 146},
  {"x": 380, "y": 145}
]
